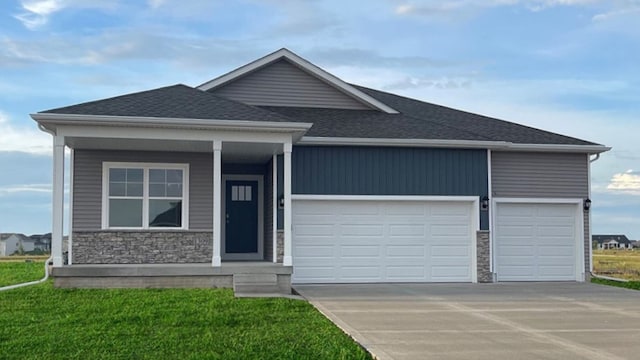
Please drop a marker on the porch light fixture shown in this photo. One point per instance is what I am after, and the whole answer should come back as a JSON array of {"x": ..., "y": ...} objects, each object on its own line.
[
  {"x": 281, "y": 202},
  {"x": 587, "y": 204},
  {"x": 484, "y": 203}
]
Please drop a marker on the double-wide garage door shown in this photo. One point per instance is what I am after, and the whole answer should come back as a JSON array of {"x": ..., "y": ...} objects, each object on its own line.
[
  {"x": 349, "y": 241},
  {"x": 537, "y": 241}
]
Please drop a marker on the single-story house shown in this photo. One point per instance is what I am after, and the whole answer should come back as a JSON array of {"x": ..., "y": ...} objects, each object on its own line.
[
  {"x": 607, "y": 242},
  {"x": 280, "y": 172}
]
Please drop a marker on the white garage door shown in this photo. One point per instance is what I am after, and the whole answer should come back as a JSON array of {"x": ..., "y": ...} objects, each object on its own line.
[
  {"x": 536, "y": 242},
  {"x": 351, "y": 241}
]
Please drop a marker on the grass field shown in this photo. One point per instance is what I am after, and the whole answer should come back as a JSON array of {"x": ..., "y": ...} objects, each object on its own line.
[
  {"x": 14, "y": 272},
  {"x": 40, "y": 322},
  {"x": 622, "y": 264}
]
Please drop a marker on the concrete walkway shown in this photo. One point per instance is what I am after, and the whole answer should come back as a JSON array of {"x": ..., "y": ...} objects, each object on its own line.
[{"x": 485, "y": 321}]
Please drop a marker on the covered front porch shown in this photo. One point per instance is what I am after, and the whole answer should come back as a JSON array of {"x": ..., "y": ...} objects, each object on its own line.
[{"x": 225, "y": 211}]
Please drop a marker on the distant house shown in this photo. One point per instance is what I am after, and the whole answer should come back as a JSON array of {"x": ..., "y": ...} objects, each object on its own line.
[
  {"x": 42, "y": 242},
  {"x": 606, "y": 242},
  {"x": 12, "y": 243}
]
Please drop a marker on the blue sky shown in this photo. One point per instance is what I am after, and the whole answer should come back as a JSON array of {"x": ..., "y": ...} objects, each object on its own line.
[{"x": 568, "y": 66}]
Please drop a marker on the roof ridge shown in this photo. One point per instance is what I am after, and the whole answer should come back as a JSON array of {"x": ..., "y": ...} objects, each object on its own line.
[{"x": 255, "y": 107}]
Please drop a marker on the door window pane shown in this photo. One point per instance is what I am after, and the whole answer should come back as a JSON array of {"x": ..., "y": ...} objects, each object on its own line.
[
  {"x": 125, "y": 212},
  {"x": 165, "y": 213}
]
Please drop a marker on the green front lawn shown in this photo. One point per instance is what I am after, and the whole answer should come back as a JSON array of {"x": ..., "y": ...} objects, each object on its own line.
[
  {"x": 18, "y": 272},
  {"x": 40, "y": 322}
]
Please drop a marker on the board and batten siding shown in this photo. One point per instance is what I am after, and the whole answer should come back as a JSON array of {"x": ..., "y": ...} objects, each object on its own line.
[
  {"x": 350, "y": 170},
  {"x": 543, "y": 175},
  {"x": 87, "y": 179},
  {"x": 283, "y": 84}
]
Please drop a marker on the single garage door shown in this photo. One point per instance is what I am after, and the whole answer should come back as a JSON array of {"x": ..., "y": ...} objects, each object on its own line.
[
  {"x": 536, "y": 242},
  {"x": 354, "y": 241}
]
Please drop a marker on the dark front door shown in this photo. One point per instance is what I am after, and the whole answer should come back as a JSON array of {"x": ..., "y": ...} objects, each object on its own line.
[{"x": 241, "y": 218}]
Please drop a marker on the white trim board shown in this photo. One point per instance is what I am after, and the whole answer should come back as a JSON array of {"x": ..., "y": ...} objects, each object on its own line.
[
  {"x": 305, "y": 66},
  {"x": 145, "y": 166},
  {"x": 223, "y": 196},
  {"x": 579, "y": 224}
]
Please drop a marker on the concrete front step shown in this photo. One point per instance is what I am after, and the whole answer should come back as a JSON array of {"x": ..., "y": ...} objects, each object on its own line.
[{"x": 258, "y": 283}]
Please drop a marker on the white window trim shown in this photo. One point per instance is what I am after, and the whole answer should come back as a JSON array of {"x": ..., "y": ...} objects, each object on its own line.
[{"x": 106, "y": 165}]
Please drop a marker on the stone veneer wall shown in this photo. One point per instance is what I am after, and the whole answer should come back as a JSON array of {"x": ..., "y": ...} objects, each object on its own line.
[
  {"x": 483, "y": 257},
  {"x": 280, "y": 245},
  {"x": 141, "y": 247}
]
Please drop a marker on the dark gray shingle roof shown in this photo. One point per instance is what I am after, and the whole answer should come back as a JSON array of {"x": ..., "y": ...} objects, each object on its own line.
[
  {"x": 490, "y": 128},
  {"x": 416, "y": 120},
  {"x": 177, "y": 101}
]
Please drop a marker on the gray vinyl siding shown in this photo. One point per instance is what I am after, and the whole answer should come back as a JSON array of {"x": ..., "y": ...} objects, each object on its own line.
[
  {"x": 544, "y": 175},
  {"x": 87, "y": 178},
  {"x": 343, "y": 170},
  {"x": 284, "y": 84}
]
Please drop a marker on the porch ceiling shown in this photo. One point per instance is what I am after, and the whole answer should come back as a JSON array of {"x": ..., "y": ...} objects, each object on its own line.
[{"x": 238, "y": 152}]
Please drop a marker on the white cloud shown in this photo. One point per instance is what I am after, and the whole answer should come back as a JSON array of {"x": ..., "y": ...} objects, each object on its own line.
[
  {"x": 38, "y": 11},
  {"x": 24, "y": 188},
  {"x": 627, "y": 182},
  {"x": 21, "y": 139},
  {"x": 623, "y": 11}
]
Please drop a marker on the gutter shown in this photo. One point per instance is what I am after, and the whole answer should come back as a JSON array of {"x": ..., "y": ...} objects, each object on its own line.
[
  {"x": 46, "y": 276},
  {"x": 44, "y": 119},
  {"x": 467, "y": 144}
]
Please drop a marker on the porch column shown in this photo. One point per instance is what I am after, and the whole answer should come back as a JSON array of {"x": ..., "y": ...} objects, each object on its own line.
[
  {"x": 217, "y": 199},
  {"x": 274, "y": 204},
  {"x": 287, "y": 260},
  {"x": 57, "y": 224}
]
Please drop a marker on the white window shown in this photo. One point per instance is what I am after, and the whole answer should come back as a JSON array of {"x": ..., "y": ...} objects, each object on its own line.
[{"x": 144, "y": 195}]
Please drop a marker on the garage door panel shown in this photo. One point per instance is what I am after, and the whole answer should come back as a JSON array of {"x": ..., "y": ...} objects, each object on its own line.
[
  {"x": 551, "y": 251},
  {"x": 414, "y": 230},
  {"x": 541, "y": 247},
  {"x": 450, "y": 250},
  {"x": 405, "y": 251},
  {"x": 314, "y": 230},
  {"x": 449, "y": 273},
  {"x": 395, "y": 241},
  {"x": 404, "y": 273},
  {"x": 318, "y": 251},
  {"x": 362, "y": 230},
  {"x": 360, "y": 251},
  {"x": 516, "y": 230},
  {"x": 449, "y": 230}
]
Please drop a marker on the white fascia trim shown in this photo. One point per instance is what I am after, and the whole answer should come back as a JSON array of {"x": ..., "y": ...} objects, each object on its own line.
[
  {"x": 312, "y": 140},
  {"x": 139, "y": 121},
  {"x": 539, "y": 200},
  {"x": 386, "y": 198},
  {"x": 591, "y": 149},
  {"x": 468, "y": 144},
  {"x": 305, "y": 66}
]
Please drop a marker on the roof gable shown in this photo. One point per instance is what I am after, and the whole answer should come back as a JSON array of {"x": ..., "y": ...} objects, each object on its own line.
[{"x": 283, "y": 78}]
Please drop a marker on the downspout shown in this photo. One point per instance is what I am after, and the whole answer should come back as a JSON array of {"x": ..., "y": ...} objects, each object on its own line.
[
  {"x": 46, "y": 276},
  {"x": 590, "y": 236}
]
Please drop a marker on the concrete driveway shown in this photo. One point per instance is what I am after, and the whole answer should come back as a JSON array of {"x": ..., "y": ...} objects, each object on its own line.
[{"x": 485, "y": 321}]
